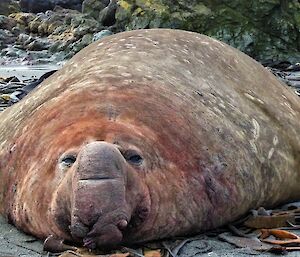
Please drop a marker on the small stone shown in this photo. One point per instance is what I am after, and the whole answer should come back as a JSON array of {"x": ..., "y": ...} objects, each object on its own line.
[
  {"x": 101, "y": 34},
  {"x": 60, "y": 29},
  {"x": 38, "y": 44},
  {"x": 6, "y": 37},
  {"x": 83, "y": 42},
  {"x": 87, "y": 39},
  {"x": 28, "y": 40},
  {"x": 22, "y": 38},
  {"x": 7, "y": 22},
  {"x": 16, "y": 30},
  {"x": 54, "y": 47},
  {"x": 62, "y": 46},
  {"x": 76, "y": 21},
  {"x": 80, "y": 31},
  {"x": 33, "y": 25},
  {"x": 86, "y": 26},
  {"x": 43, "y": 28},
  {"x": 12, "y": 53}
]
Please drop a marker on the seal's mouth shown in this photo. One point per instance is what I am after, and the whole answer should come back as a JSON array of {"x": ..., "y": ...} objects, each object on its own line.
[
  {"x": 105, "y": 234},
  {"x": 107, "y": 231}
]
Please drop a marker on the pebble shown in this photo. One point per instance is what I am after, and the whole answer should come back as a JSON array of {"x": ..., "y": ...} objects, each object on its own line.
[{"x": 101, "y": 34}]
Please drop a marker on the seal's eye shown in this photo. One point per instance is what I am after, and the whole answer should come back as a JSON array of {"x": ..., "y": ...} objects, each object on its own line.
[
  {"x": 68, "y": 160},
  {"x": 133, "y": 157}
]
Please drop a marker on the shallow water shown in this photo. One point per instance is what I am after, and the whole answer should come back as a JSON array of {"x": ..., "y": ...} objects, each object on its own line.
[{"x": 23, "y": 72}]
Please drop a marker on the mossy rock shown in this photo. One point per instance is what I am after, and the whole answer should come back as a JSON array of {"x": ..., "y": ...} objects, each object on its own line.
[
  {"x": 264, "y": 29},
  {"x": 93, "y": 7},
  {"x": 23, "y": 18}
]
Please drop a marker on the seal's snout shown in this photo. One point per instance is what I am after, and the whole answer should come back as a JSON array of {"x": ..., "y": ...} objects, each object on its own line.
[{"x": 99, "y": 208}]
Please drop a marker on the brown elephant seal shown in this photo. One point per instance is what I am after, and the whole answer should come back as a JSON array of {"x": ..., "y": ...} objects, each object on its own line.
[{"x": 146, "y": 135}]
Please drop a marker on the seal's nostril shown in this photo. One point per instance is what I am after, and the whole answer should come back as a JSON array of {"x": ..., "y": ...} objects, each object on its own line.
[{"x": 122, "y": 224}]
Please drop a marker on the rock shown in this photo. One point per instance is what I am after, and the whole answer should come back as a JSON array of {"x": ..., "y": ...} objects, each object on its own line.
[
  {"x": 107, "y": 15},
  {"x": 47, "y": 23},
  {"x": 22, "y": 38},
  {"x": 265, "y": 30},
  {"x": 23, "y": 18},
  {"x": 42, "y": 54},
  {"x": 61, "y": 31},
  {"x": 7, "y": 22},
  {"x": 38, "y": 44},
  {"x": 36, "y": 6},
  {"x": 85, "y": 26},
  {"x": 13, "y": 52},
  {"x": 101, "y": 34},
  {"x": 28, "y": 40},
  {"x": 102, "y": 10},
  {"x": 93, "y": 7},
  {"x": 80, "y": 44},
  {"x": 87, "y": 39},
  {"x": 9, "y": 6},
  {"x": 80, "y": 31},
  {"x": 6, "y": 37},
  {"x": 65, "y": 38},
  {"x": 34, "y": 25},
  {"x": 54, "y": 47},
  {"x": 16, "y": 30}
]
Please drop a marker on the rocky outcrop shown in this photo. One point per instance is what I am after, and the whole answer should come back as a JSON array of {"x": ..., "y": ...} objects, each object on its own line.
[
  {"x": 52, "y": 36},
  {"x": 94, "y": 7},
  {"x": 266, "y": 30}
]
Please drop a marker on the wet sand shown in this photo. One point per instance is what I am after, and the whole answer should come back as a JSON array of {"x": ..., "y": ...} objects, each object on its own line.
[{"x": 16, "y": 243}]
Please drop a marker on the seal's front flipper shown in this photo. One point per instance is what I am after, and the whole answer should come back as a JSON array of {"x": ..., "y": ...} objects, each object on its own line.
[{"x": 56, "y": 245}]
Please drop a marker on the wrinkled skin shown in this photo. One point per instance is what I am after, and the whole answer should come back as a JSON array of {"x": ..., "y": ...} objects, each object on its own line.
[{"x": 145, "y": 135}]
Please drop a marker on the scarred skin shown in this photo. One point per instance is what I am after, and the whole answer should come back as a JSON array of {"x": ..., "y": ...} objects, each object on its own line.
[{"x": 146, "y": 135}]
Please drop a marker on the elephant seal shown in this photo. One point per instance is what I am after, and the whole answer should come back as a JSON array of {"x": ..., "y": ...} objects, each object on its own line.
[{"x": 145, "y": 135}]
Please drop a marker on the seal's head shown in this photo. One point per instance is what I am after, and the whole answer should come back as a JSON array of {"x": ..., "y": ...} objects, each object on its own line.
[{"x": 103, "y": 192}]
